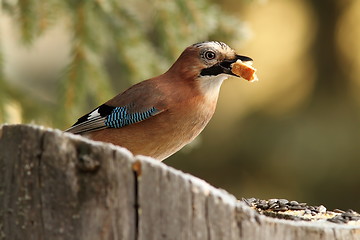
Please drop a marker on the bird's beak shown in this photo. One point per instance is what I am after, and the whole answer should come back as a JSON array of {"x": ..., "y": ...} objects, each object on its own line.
[
  {"x": 226, "y": 64},
  {"x": 243, "y": 58}
]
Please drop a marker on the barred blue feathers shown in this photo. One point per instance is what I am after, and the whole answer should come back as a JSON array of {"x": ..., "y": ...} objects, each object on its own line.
[
  {"x": 120, "y": 117},
  {"x": 107, "y": 116}
]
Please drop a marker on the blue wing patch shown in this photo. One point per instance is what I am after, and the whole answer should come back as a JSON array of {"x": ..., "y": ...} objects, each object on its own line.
[
  {"x": 110, "y": 117},
  {"x": 120, "y": 117}
]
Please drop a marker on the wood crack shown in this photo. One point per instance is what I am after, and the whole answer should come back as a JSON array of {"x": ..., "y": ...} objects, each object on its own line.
[
  {"x": 207, "y": 220},
  {"x": 136, "y": 203},
  {"x": 40, "y": 180}
]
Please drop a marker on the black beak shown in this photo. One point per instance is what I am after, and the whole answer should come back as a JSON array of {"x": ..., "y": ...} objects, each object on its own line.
[
  {"x": 224, "y": 66},
  {"x": 243, "y": 58}
]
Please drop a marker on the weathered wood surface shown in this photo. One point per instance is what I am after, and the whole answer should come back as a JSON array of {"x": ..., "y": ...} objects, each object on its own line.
[{"x": 60, "y": 186}]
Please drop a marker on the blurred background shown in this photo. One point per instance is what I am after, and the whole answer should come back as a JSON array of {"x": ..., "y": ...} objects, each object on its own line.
[{"x": 295, "y": 134}]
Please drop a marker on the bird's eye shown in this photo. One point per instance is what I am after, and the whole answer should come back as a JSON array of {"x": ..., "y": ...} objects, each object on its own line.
[{"x": 209, "y": 55}]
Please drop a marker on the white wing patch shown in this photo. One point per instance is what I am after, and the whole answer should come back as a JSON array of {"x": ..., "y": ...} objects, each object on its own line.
[
  {"x": 88, "y": 123},
  {"x": 94, "y": 114}
]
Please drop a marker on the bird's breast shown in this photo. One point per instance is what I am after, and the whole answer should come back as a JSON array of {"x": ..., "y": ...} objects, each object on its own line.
[{"x": 191, "y": 118}]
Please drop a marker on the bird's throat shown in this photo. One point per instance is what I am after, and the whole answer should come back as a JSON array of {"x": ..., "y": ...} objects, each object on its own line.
[{"x": 209, "y": 86}]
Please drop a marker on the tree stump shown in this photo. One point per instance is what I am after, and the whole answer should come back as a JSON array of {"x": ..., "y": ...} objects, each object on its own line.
[{"x": 55, "y": 185}]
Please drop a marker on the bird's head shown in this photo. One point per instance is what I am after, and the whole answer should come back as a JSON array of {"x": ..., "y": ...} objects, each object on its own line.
[
  {"x": 207, "y": 63},
  {"x": 207, "y": 59}
]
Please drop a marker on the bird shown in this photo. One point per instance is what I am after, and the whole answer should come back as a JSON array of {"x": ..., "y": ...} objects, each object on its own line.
[{"x": 159, "y": 116}]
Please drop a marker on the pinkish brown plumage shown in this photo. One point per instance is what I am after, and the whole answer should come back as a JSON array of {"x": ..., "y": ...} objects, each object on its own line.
[{"x": 159, "y": 116}]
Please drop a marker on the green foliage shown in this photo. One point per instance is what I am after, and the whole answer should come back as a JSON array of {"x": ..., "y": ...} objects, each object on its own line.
[{"x": 110, "y": 39}]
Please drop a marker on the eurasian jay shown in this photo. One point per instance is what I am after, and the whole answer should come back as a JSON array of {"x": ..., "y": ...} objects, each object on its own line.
[{"x": 159, "y": 116}]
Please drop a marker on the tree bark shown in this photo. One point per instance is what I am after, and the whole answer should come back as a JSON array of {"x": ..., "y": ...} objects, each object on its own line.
[{"x": 55, "y": 185}]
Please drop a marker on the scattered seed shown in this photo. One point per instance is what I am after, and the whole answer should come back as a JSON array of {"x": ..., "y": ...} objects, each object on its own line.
[
  {"x": 284, "y": 208},
  {"x": 321, "y": 209},
  {"x": 247, "y": 201},
  {"x": 272, "y": 201},
  {"x": 351, "y": 211},
  {"x": 307, "y": 211},
  {"x": 273, "y": 207},
  {"x": 293, "y": 203},
  {"x": 283, "y": 202},
  {"x": 338, "y": 211},
  {"x": 296, "y": 208}
]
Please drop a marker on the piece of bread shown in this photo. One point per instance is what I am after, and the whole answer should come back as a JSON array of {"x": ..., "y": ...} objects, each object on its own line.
[{"x": 244, "y": 70}]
